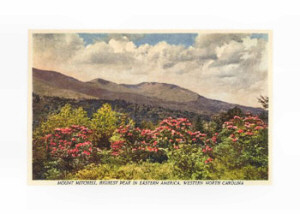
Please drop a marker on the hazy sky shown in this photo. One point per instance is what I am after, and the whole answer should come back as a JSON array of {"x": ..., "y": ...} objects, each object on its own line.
[{"x": 227, "y": 67}]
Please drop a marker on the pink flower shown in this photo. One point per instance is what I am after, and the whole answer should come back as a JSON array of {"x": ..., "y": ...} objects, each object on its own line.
[
  {"x": 214, "y": 139},
  {"x": 259, "y": 127},
  {"x": 208, "y": 160},
  {"x": 115, "y": 153},
  {"x": 208, "y": 148}
]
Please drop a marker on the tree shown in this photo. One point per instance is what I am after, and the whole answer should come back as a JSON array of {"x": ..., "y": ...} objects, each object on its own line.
[
  {"x": 199, "y": 124},
  {"x": 104, "y": 122},
  {"x": 147, "y": 125},
  {"x": 225, "y": 116},
  {"x": 66, "y": 117},
  {"x": 264, "y": 101}
]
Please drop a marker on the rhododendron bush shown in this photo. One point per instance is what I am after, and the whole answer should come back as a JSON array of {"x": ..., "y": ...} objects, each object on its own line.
[
  {"x": 68, "y": 147},
  {"x": 69, "y": 143},
  {"x": 107, "y": 147},
  {"x": 243, "y": 153},
  {"x": 171, "y": 134}
]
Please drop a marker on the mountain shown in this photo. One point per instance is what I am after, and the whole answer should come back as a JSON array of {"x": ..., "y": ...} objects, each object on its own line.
[
  {"x": 54, "y": 84},
  {"x": 163, "y": 91}
]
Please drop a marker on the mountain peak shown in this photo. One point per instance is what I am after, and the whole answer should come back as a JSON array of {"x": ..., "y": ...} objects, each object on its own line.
[{"x": 101, "y": 81}]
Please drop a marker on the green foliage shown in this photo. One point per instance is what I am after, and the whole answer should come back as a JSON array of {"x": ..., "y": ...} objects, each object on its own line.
[
  {"x": 210, "y": 127},
  {"x": 189, "y": 163},
  {"x": 137, "y": 144},
  {"x": 147, "y": 125},
  {"x": 221, "y": 171},
  {"x": 169, "y": 150},
  {"x": 243, "y": 153},
  {"x": 264, "y": 116},
  {"x": 142, "y": 171},
  {"x": 67, "y": 149},
  {"x": 44, "y": 105},
  {"x": 104, "y": 157},
  {"x": 183, "y": 164},
  {"x": 66, "y": 117},
  {"x": 199, "y": 124},
  {"x": 104, "y": 123},
  {"x": 219, "y": 119},
  {"x": 52, "y": 172}
]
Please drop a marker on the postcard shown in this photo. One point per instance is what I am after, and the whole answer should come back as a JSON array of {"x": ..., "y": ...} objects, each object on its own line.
[{"x": 141, "y": 107}]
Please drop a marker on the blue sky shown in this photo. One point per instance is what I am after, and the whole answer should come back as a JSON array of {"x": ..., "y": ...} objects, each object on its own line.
[
  {"x": 173, "y": 39},
  {"x": 89, "y": 38},
  {"x": 260, "y": 36},
  {"x": 186, "y": 39},
  {"x": 140, "y": 39}
]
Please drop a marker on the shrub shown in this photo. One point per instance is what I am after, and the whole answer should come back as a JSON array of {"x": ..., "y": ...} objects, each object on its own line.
[
  {"x": 220, "y": 118},
  {"x": 67, "y": 149},
  {"x": 143, "y": 144},
  {"x": 51, "y": 171},
  {"x": 190, "y": 162},
  {"x": 136, "y": 144},
  {"x": 103, "y": 123},
  {"x": 243, "y": 153},
  {"x": 66, "y": 117},
  {"x": 142, "y": 171},
  {"x": 63, "y": 148}
]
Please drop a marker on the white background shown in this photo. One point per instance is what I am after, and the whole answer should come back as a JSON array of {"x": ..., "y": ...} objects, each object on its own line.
[{"x": 16, "y": 17}]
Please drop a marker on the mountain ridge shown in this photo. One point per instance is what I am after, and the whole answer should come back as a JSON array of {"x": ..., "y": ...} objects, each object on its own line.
[{"x": 53, "y": 83}]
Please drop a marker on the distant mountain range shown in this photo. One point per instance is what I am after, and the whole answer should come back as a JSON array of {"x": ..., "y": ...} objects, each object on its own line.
[{"x": 51, "y": 83}]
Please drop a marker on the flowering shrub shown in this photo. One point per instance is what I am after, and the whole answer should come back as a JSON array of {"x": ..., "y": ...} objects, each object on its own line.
[
  {"x": 243, "y": 153},
  {"x": 240, "y": 128},
  {"x": 69, "y": 147},
  {"x": 109, "y": 146},
  {"x": 67, "y": 116},
  {"x": 136, "y": 144},
  {"x": 171, "y": 134}
]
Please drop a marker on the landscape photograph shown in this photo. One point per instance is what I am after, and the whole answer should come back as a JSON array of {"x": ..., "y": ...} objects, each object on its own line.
[{"x": 143, "y": 105}]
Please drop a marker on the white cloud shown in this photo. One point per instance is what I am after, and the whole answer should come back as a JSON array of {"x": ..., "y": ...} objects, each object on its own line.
[
  {"x": 52, "y": 49},
  {"x": 229, "y": 67}
]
